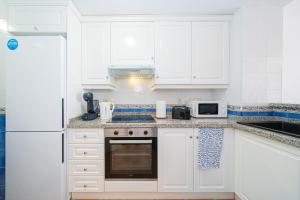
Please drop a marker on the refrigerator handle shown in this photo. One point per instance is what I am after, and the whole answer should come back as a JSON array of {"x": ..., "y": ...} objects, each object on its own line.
[
  {"x": 63, "y": 112},
  {"x": 63, "y": 148}
]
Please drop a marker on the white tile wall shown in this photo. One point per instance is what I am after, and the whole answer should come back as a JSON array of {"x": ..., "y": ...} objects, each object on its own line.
[
  {"x": 261, "y": 57},
  {"x": 138, "y": 91},
  {"x": 291, "y": 61}
]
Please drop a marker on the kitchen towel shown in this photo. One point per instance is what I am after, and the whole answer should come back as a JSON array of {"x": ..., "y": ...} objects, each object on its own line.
[{"x": 210, "y": 146}]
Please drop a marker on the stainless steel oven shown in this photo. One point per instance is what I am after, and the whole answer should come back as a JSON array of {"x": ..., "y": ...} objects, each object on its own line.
[{"x": 131, "y": 153}]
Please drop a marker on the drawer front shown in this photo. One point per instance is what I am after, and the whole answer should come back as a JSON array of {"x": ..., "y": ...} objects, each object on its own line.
[
  {"x": 86, "y": 151},
  {"x": 86, "y": 167},
  {"x": 86, "y": 184},
  {"x": 37, "y": 18},
  {"x": 86, "y": 136}
]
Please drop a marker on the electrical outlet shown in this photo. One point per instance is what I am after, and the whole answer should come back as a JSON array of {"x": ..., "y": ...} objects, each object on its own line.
[{"x": 179, "y": 100}]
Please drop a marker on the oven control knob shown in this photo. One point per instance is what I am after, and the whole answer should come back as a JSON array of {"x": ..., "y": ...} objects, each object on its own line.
[
  {"x": 130, "y": 132},
  {"x": 116, "y": 132},
  {"x": 145, "y": 132}
]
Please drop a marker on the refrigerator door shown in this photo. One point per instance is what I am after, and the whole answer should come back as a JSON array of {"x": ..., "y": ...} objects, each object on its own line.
[
  {"x": 35, "y": 166},
  {"x": 35, "y": 84}
]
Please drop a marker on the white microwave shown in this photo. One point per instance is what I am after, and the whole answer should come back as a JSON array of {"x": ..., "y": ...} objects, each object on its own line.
[{"x": 208, "y": 109}]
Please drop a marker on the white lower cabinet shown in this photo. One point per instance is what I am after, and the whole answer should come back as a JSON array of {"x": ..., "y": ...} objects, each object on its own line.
[
  {"x": 221, "y": 179},
  {"x": 177, "y": 163},
  {"x": 86, "y": 160},
  {"x": 175, "y": 160},
  {"x": 87, "y": 183},
  {"x": 266, "y": 170}
]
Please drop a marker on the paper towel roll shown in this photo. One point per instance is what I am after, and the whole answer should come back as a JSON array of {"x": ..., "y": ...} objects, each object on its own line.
[{"x": 161, "y": 109}]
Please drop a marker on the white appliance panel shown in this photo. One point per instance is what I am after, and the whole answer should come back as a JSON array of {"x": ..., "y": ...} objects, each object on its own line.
[
  {"x": 35, "y": 82},
  {"x": 34, "y": 166}
]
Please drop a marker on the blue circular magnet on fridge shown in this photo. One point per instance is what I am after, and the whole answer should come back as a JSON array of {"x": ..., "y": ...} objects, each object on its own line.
[{"x": 12, "y": 44}]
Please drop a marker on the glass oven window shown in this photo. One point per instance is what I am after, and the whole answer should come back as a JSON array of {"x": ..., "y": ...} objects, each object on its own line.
[
  {"x": 131, "y": 158},
  {"x": 208, "y": 109}
]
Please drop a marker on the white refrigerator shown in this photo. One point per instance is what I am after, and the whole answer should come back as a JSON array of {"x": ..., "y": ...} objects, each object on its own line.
[{"x": 35, "y": 118}]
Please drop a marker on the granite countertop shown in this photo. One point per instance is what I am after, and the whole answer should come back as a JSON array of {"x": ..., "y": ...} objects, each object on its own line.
[
  {"x": 159, "y": 123},
  {"x": 193, "y": 123}
]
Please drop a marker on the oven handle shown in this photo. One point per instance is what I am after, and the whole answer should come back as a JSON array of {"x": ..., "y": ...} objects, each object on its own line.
[{"x": 130, "y": 141}]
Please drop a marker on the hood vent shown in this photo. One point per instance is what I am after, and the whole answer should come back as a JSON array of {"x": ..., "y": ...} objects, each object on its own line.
[{"x": 131, "y": 71}]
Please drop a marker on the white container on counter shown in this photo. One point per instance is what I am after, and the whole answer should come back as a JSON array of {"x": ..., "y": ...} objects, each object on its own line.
[{"x": 161, "y": 109}]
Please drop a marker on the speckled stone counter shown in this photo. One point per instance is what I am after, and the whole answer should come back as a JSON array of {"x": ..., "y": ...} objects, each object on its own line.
[
  {"x": 193, "y": 123},
  {"x": 160, "y": 123}
]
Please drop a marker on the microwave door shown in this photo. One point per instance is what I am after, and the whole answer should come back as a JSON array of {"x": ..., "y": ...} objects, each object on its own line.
[{"x": 208, "y": 109}]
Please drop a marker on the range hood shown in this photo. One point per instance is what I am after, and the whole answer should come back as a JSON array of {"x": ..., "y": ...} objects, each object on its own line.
[{"x": 131, "y": 71}]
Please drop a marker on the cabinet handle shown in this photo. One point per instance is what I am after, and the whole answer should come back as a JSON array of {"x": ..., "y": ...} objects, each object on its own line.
[
  {"x": 85, "y": 169},
  {"x": 197, "y": 137},
  {"x": 152, "y": 58},
  {"x": 191, "y": 137},
  {"x": 84, "y": 153},
  {"x": 194, "y": 77},
  {"x": 106, "y": 77},
  {"x": 157, "y": 77},
  {"x": 63, "y": 113},
  {"x": 63, "y": 148},
  {"x": 84, "y": 136},
  {"x": 85, "y": 186}
]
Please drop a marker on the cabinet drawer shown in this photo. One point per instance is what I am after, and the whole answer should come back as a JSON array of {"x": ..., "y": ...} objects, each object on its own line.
[
  {"x": 37, "y": 19},
  {"x": 86, "y": 167},
  {"x": 86, "y": 151},
  {"x": 86, "y": 184},
  {"x": 85, "y": 136}
]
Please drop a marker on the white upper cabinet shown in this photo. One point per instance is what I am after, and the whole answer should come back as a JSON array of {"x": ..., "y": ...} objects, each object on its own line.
[
  {"x": 175, "y": 160},
  {"x": 210, "y": 52},
  {"x": 37, "y": 19},
  {"x": 132, "y": 43},
  {"x": 173, "y": 52},
  {"x": 95, "y": 53},
  {"x": 216, "y": 180}
]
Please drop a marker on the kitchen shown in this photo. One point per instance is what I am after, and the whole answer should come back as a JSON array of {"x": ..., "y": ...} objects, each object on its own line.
[{"x": 149, "y": 100}]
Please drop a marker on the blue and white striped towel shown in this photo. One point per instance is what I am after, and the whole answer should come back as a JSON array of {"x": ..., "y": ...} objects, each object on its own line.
[{"x": 210, "y": 146}]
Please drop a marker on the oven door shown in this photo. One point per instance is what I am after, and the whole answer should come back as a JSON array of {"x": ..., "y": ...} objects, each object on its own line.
[{"x": 131, "y": 158}]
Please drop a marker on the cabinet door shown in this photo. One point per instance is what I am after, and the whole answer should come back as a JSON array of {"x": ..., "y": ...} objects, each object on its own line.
[
  {"x": 37, "y": 19},
  {"x": 173, "y": 52},
  {"x": 132, "y": 43},
  {"x": 210, "y": 52},
  {"x": 95, "y": 53},
  {"x": 175, "y": 160},
  {"x": 216, "y": 180},
  {"x": 266, "y": 169}
]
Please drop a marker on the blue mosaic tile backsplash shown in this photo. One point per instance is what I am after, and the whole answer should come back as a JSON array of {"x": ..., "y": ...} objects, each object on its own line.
[
  {"x": 2, "y": 157},
  {"x": 290, "y": 111}
]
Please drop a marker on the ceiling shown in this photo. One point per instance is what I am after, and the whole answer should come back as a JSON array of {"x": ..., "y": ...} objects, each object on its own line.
[
  {"x": 167, "y": 7},
  {"x": 149, "y": 7}
]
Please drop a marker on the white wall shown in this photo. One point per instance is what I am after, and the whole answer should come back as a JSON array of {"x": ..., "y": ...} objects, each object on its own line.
[
  {"x": 138, "y": 91},
  {"x": 74, "y": 96},
  {"x": 3, "y": 13},
  {"x": 256, "y": 55},
  {"x": 291, "y": 52},
  {"x": 234, "y": 92}
]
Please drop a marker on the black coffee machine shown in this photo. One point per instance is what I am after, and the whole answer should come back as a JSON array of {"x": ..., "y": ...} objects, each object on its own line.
[{"x": 92, "y": 107}]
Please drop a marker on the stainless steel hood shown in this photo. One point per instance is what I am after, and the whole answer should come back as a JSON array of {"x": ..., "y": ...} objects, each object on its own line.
[{"x": 131, "y": 71}]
